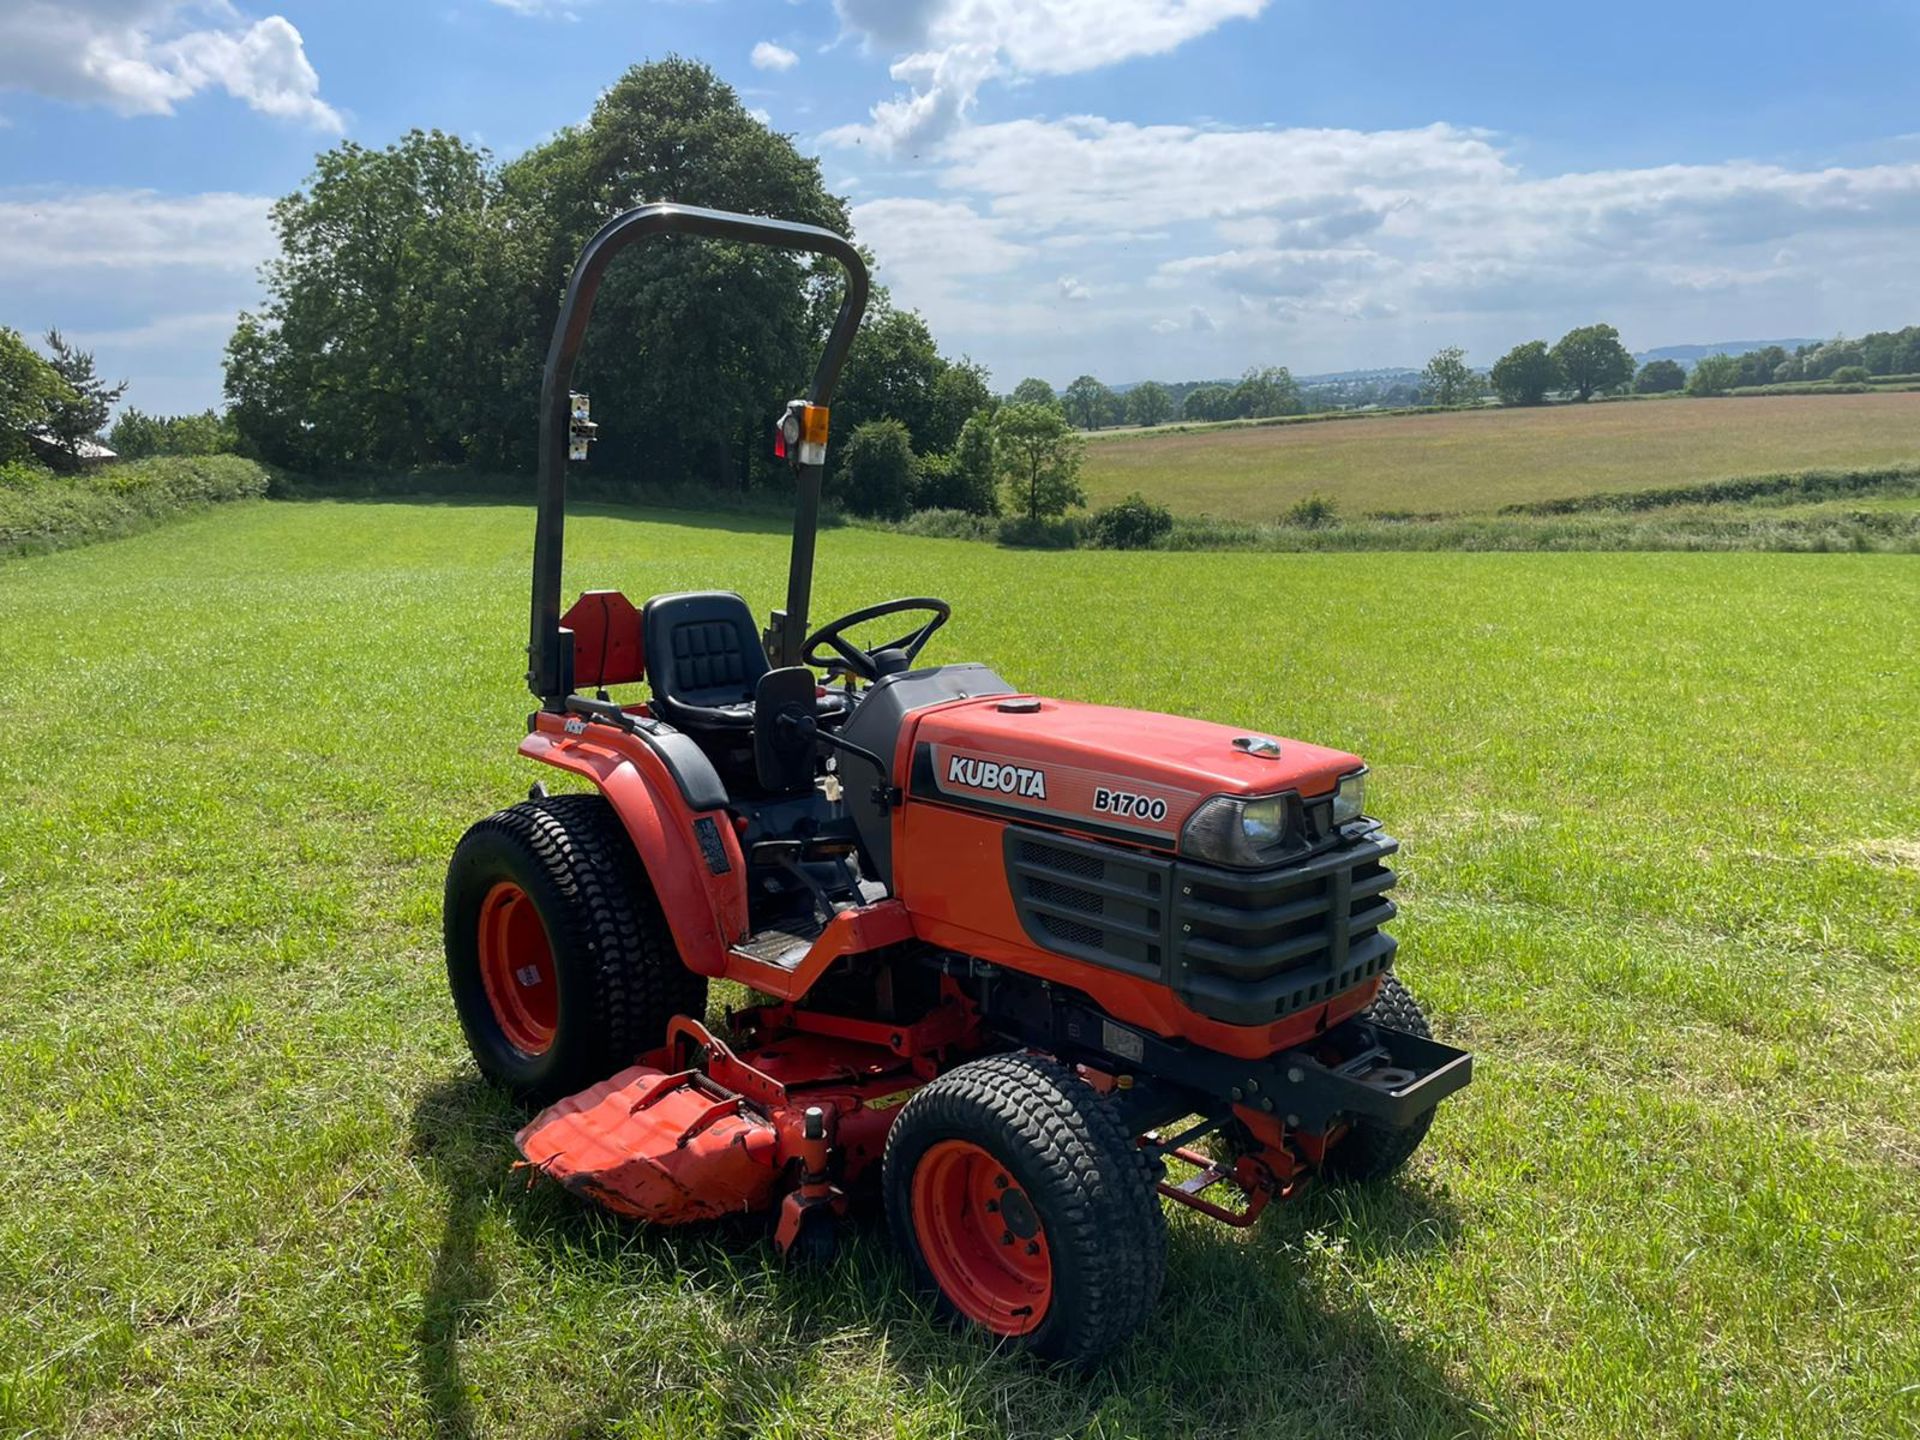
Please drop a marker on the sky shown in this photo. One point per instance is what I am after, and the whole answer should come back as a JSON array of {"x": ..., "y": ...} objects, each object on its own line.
[{"x": 1140, "y": 189}]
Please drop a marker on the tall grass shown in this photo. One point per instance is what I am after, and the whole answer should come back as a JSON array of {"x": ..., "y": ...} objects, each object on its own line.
[{"x": 41, "y": 511}]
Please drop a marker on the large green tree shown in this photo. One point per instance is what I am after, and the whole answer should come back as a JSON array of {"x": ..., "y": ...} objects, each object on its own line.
[
  {"x": 1032, "y": 391},
  {"x": 408, "y": 315},
  {"x": 1657, "y": 377},
  {"x": 1265, "y": 392},
  {"x": 694, "y": 345},
  {"x": 1207, "y": 402},
  {"x": 1085, "y": 402},
  {"x": 1593, "y": 360},
  {"x": 29, "y": 389},
  {"x": 959, "y": 393},
  {"x": 78, "y": 412},
  {"x": 1713, "y": 375},
  {"x": 1038, "y": 457},
  {"x": 390, "y": 334},
  {"x": 878, "y": 470},
  {"x": 1525, "y": 374},
  {"x": 1149, "y": 404},
  {"x": 1448, "y": 379}
]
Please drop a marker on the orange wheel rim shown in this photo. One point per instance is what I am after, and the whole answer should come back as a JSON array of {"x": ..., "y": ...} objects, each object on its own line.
[
  {"x": 982, "y": 1238},
  {"x": 516, "y": 969}
]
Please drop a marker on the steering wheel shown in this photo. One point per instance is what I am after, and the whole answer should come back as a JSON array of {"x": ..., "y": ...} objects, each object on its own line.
[{"x": 867, "y": 663}]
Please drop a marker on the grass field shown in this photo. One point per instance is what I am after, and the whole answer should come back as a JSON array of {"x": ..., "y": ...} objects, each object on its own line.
[
  {"x": 1662, "y": 825},
  {"x": 1482, "y": 459}
]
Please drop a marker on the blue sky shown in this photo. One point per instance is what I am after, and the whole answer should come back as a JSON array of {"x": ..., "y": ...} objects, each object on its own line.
[{"x": 1139, "y": 188}]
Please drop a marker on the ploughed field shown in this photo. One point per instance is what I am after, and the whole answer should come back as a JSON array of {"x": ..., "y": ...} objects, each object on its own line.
[
  {"x": 1661, "y": 817},
  {"x": 1478, "y": 460}
]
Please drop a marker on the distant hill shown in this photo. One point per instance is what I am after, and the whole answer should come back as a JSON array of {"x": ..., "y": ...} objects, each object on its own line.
[{"x": 1687, "y": 354}]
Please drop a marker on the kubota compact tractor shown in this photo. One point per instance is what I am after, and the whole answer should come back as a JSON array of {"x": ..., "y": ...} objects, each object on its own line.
[{"x": 1006, "y": 942}]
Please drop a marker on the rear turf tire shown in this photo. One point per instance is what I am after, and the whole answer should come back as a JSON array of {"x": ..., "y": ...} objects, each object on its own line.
[
  {"x": 1011, "y": 1185},
  {"x": 1370, "y": 1150},
  {"x": 547, "y": 904}
]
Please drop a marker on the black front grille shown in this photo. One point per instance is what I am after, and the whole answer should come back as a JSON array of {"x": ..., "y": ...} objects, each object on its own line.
[
  {"x": 1245, "y": 947},
  {"x": 1094, "y": 902},
  {"x": 1255, "y": 946}
]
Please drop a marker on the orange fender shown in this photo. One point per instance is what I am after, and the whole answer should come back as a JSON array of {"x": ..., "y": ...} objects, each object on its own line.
[{"x": 706, "y": 912}]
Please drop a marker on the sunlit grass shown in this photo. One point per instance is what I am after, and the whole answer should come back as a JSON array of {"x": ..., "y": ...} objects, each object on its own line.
[{"x": 1662, "y": 865}]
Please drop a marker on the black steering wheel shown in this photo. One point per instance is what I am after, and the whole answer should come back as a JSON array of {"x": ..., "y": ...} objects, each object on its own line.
[{"x": 888, "y": 659}]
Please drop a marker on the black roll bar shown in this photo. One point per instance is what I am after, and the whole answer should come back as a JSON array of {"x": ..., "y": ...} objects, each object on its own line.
[{"x": 550, "y": 668}]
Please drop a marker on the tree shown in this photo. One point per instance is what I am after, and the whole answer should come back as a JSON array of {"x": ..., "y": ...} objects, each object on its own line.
[
  {"x": 1851, "y": 375},
  {"x": 1592, "y": 359},
  {"x": 1262, "y": 393},
  {"x": 1149, "y": 404},
  {"x": 959, "y": 393},
  {"x": 890, "y": 373},
  {"x": 79, "y": 413},
  {"x": 1034, "y": 392},
  {"x": 1660, "y": 377},
  {"x": 1714, "y": 375},
  {"x": 692, "y": 342},
  {"x": 29, "y": 389},
  {"x": 1038, "y": 458},
  {"x": 136, "y": 434},
  {"x": 1525, "y": 374},
  {"x": 968, "y": 480},
  {"x": 1207, "y": 402},
  {"x": 390, "y": 334},
  {"x": 1448, "y": 380},
  {"x": 409, "y": 310},
  {"x": 878, "y": 470},
  {"x": 1085, "y": 402}
]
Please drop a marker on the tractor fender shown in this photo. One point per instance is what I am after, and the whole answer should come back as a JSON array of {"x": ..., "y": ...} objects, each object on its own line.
[{"x": 692, "y": 857}]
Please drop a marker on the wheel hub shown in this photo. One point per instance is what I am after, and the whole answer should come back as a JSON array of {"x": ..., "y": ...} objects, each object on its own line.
[
  {"x": 982, "y": 1238},
  {"x": 517, "y": 970}
]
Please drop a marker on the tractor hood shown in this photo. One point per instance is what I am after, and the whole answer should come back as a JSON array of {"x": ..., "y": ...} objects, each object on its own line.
[{"x": 1097, "y": 767}]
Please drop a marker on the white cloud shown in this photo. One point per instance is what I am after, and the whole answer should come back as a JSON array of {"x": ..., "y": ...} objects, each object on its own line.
[
  {"x": 141, "y": 57},
  {"x": 1071, "y": 288},
  {"x": 947, "y": 49},
  {"x": 921, "y": 243},
  {"x": 1212, "y": 248},
  {"x": 769, "y": 56},
  {"x": 133, "y": 230},
  {"x": 152, "y": 283}
]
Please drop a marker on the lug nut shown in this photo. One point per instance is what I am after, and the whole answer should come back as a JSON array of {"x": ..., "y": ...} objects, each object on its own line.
[
  {"x": 1006, "y": 1237},
  {"x": 993, "y": 1207}
]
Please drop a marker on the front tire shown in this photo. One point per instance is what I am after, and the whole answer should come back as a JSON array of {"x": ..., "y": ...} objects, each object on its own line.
[
  {"x": 558, "y": 956},
  {"x": 1370, "y": 1150},
  {"x": 1022, "y": 1202}
]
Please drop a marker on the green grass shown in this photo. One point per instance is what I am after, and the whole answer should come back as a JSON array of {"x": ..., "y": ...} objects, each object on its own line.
[
  {"x": 1662, "y": 865},
  {"x": 1479, "y": 460}
]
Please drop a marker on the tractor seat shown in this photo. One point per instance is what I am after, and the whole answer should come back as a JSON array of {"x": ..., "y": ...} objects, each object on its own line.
[{"x": 704, "y": 659}]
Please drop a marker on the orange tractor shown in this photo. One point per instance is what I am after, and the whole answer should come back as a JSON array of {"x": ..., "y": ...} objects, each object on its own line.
[{"x": 1015, "y": 953}]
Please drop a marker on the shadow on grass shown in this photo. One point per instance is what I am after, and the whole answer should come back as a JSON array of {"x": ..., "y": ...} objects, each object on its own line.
[{"x": 1256, "y": 1334}]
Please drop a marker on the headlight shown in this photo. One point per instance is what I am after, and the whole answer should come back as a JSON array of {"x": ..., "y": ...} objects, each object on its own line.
[
  {"x": 1231, "y": 831},
  {"x": 1350, "y": 799}
]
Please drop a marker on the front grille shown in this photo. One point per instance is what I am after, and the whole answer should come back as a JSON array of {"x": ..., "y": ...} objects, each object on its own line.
[
  {"x": 1258, "y": 946},
  {"x": 1244, "y": 947},
  {"x": 1093, "y": 902}
]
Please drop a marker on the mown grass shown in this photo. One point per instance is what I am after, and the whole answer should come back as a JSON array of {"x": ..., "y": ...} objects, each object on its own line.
[
  {"x": 1479, "y": 460},
  {"x": 1662, "y": 825},
  {"x": 41, "y": 511}
]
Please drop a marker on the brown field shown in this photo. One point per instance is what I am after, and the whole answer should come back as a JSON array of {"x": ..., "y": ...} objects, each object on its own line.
[{"x": 1480, "y": 460}]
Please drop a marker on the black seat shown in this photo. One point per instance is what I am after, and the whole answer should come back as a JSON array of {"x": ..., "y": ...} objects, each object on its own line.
[{"x": 704, "y": 659}]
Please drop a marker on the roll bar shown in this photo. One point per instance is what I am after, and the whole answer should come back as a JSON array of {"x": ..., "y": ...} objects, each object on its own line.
[{"x": 550, "y": 656}]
